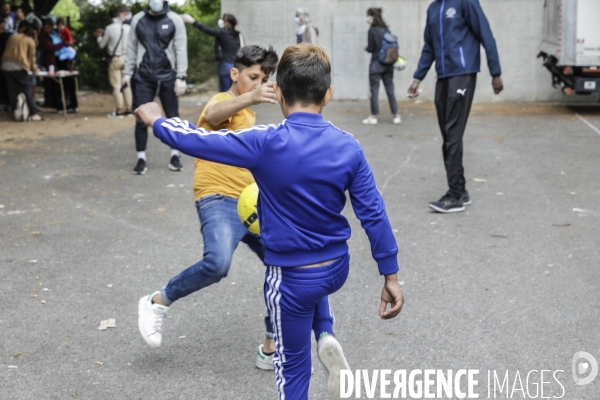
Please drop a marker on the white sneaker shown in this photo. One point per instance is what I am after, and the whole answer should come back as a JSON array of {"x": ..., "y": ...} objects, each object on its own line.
[
  {"x": 332, "y": 357},
  {"x": 370, "y": 120},
  {"x": 263, "y": 361},
  {"x": 151, "y": 318},
  {"x": 397, "y": 119}
]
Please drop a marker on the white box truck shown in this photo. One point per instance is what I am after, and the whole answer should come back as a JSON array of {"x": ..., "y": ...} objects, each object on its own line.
[{"x": 570, "y": 47}]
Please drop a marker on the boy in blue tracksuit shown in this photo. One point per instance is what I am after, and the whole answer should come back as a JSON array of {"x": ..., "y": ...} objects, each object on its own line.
[
  {"x": 303, "y": 168},
  {"x": 454, "y": 33}
]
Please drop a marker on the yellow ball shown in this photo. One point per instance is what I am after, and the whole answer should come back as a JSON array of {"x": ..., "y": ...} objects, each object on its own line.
[{"x": 246, "y": 208}]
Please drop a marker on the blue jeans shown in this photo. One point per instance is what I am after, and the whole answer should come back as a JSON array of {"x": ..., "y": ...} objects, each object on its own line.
[
  {"x": 222, "y": 232},
  {"x": 225, "y": 81}
]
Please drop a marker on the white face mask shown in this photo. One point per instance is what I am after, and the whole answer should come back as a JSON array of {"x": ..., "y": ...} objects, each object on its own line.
[
  {"x": 221, "y": 23},
  {"x": 297, "y": 20},
  {"x": 369, "y": 20},
  {"x": 156, "y": 5}
]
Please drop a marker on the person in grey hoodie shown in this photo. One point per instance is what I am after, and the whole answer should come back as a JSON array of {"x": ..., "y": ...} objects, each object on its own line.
[{"x": 156, "y": 60}]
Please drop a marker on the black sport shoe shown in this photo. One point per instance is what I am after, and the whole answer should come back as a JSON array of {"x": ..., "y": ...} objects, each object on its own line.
[
  {"x": 447, "y": 204},
  {"x": 175, "y": 164},
  {"x": 465, "y": 199},
  {"x": 140, "y": 167}
]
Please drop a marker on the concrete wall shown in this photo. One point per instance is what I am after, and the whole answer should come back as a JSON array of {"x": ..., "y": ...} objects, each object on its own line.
[{"x": 516, "y": 24}]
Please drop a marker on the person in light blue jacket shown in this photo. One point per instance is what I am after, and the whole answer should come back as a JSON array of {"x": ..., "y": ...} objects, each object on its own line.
[{"x": 455, "y": 30}]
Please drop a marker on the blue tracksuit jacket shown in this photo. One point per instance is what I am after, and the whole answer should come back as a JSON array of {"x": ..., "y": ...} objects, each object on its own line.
[
  {"x": 454, "y": 33},
  {"x": 303, "y": 168}
]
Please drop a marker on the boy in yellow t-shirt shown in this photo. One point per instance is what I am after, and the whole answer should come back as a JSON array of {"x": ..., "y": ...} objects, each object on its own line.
[{"x": 217, "y": 188}]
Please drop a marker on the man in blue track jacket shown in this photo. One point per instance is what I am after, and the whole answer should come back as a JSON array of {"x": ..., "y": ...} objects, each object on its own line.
[{"x": 454, "y": 33}]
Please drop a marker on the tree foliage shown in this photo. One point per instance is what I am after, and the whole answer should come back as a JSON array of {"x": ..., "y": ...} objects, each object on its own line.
[{"x": 68, "y": 9}]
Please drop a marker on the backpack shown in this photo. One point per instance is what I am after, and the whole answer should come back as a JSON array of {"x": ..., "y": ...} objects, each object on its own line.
[{"x": 389, "y": 49}]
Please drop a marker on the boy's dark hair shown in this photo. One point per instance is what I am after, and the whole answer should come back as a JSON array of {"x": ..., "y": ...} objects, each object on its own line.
[
  {"x": 113, "y": 12},
  {"x": 49, "y": 22},
  {"x": 122, "y": 9},
  {"x": 61, "y": 21},
  {"x": 304, "y": 74},
  {"x": 251, "y": 55},
  {"x": 377, "y": 18}
]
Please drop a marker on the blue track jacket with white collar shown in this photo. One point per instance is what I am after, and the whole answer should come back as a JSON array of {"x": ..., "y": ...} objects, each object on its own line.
[
  {"x": 454, "y": 33},
  {"x": 303, "y": 168}
]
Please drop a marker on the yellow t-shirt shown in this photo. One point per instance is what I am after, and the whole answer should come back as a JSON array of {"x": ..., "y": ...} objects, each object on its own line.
[{"x": 215, "y": 178}]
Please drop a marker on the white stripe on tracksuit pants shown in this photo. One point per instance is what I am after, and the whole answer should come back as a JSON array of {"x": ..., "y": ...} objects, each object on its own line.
[{"x": 297, "y": 299}]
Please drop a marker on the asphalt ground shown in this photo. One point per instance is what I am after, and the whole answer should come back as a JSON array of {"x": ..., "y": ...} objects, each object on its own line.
[{"x": 509, "y": 285}]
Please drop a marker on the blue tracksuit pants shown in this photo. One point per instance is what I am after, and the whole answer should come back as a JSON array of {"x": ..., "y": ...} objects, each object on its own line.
[{"x": 297, "y": 302}]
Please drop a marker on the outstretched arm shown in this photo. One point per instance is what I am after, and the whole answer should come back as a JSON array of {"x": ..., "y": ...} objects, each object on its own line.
[
  {"x": 240, "y": 149},
  {"x": 223, "y": 110},
  {"x": 188, "y": 19}
]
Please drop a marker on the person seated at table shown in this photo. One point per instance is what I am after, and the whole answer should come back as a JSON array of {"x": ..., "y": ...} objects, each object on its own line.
[
  {"x": 18, "y": 67},
  {"x": 50, "y": 43}
]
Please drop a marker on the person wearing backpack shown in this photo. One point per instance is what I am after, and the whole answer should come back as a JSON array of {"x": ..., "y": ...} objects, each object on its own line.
[{"x": 383, "y": 46}]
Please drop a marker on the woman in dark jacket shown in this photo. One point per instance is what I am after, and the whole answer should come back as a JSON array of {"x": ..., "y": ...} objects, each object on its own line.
[
  {"x": 52, "y": 96},
  {"x": 228, "y": 41},
  {"x": 377, "y": 70}
]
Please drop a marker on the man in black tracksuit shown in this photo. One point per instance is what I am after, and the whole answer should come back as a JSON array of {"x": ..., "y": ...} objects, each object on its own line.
[
  {"x": 454, "y": 33},
  {"x": 156, "y": 60}
]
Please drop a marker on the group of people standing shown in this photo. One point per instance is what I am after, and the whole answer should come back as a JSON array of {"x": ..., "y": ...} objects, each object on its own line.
[{"x": 28, "y": 46}]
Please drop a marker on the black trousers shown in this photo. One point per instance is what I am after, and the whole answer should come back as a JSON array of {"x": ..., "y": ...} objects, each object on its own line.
[
  {"x": 20, "y": 79},
  {"x": 377, "y": 73},
  {"x": 143, "y": 92},
  {"x": 453, "y": 99}
]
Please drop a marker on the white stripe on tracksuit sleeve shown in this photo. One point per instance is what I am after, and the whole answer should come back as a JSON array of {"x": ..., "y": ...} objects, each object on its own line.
[{"x": 241, "y": 148}]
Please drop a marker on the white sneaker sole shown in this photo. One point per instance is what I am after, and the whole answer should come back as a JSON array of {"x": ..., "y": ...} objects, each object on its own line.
[
  {"x": 141, "y": 326},
  {"x": 467, "y": 203},
  {"x": 140, "y": 173},
  {"x": 444, "y": 211},
  {"x": 264, "y": 364},
  {"x": 172, "y": 168},
  {"x": 332, "y": 358}
]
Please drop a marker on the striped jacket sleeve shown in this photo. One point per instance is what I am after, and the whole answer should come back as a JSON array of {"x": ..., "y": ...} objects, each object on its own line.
[
  {"x": 240, "y": 148},
  {"x": 369, "y": 208}
]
